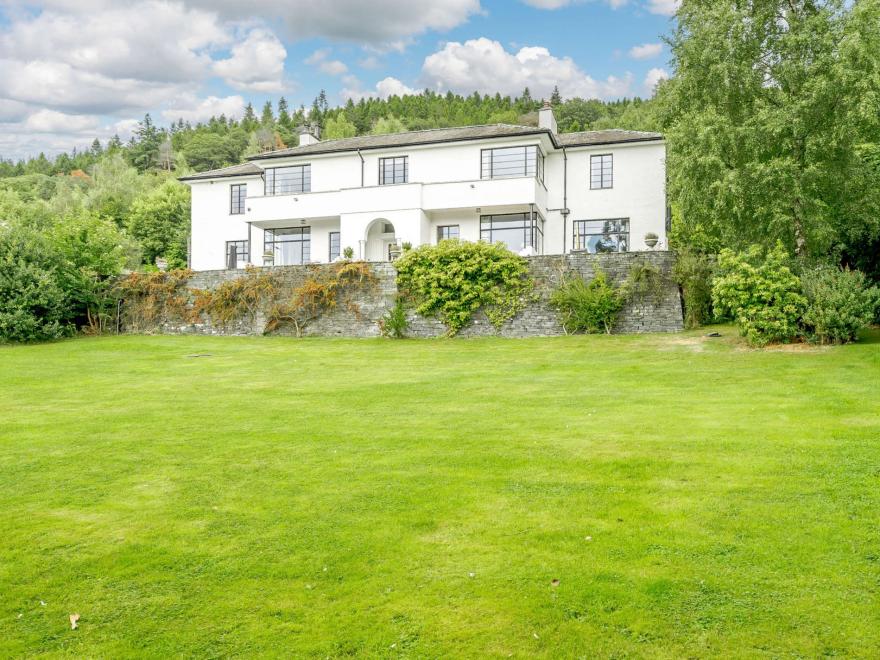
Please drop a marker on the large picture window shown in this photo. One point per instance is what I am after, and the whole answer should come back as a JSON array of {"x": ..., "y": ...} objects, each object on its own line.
[
  {"x": 598, "y": 236},
  {"x": 335, "y": 245},
  {"x": 517, "y": 231},
  {"x": 393, "y": 170},
  {"x": 292, "y": 246},
  {"x": 237, "y": 197},
  {"x": 601, "y": 172},
  {"x": 288, "y": 180},
  {"x": 237, "y": 255},
  {"x": 508, "y": 162}
]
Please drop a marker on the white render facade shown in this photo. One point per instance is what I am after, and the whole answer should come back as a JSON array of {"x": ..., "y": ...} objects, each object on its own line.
[{"x": 537, "y": 191}]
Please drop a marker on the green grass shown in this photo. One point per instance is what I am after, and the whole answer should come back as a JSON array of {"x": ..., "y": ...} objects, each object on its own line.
[{"x": 418, "y": 498}]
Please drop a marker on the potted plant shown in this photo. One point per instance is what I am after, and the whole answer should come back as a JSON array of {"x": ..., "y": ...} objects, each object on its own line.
[
  {"x": 348, "y": 253},
  {"x": 651, "y": 239}
]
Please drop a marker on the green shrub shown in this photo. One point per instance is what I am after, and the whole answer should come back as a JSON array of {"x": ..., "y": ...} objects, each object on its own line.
[
  {"x": 839, "y": 304},
  {"x": 588, "y": 306},
  {"x": 33, "y": 303},
  {"x": 644, "y": 280},
  {"x": 454, "y": 279},
  {"x": 693, "y": 272},
  {"x": 761, "y": 293},
  {"x": 395, "y": 324}
]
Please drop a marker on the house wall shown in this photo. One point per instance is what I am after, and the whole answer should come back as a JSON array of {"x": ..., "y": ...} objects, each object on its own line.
[{"x": 444, "y": 188}]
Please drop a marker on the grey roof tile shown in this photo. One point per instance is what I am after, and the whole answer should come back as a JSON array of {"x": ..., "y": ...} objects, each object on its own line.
[
  {"x": 608, "y": 136},
  {"x": 234, "y": 170}
]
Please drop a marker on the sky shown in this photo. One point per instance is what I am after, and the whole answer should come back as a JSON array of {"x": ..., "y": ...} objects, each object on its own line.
[{"x": 73, "y": 70}]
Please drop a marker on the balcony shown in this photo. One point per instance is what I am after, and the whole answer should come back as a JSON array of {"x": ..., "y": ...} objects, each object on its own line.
[{"x": 377, "y": 199}]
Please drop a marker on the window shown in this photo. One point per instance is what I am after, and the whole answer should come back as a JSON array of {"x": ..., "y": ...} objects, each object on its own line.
[
  {"x": 288, "y": 180},
  {"x": 335, "y": 244},
  {"x": 517, "y": 231},
  {"x": 237, "y": 196},
  {"x": 508, "y": 162},
  {"x": 291, "y": 246},
  {"x": 601, "y": 172},
  {"x": 447, "y": 232},
  {"x": 601, "y": 235},
  {"x": 237, "y": 255},
  {"x": 393, "y": 170}
]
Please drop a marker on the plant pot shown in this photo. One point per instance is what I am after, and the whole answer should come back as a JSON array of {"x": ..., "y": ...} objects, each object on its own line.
[{"x": 651, "y": 241}]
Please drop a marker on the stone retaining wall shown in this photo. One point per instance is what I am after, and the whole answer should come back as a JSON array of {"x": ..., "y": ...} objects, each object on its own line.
[{"x": 360, "y": 316}]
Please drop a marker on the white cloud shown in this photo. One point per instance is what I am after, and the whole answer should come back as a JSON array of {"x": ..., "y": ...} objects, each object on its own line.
[
  {"x": 369, "y": 62},
  {"x": 484, "y": 65},
  {"x": 377, "y": 21},
  {"x": 193, "y": 109},
  {"x": 255, "y": 64},
  {"x": 152, "y": 41},
  {"x": 393, "y": 87},
  {"x": 645, "y": 51},
  {"x": 663, "y": 7},
  {"x": 384, "y": 88},
  {"x": 51, "y": 121},
  {"x": 331, "y": 67},
  {"x": 653, "y": 77}
]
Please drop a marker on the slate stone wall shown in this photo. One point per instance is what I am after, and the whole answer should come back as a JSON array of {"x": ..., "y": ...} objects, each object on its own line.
[{"x": 359, "y": 312}]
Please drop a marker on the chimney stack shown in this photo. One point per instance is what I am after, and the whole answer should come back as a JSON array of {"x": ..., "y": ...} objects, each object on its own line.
[
  {"x": 310, "y": 134},
  {"x": 546, "y": 118}
]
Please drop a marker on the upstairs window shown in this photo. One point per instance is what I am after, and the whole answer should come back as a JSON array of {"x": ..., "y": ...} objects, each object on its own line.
[
  {"x": 393, "y": 170},
  {"x": 288, "y": 180},
  {"x": 509, "y": 162},
  {"x": 598, "y": 236},
  {"x": 237, "y": 197},
  {"x": 601, "y": 172},
  {"x": 447, "y": 232}
]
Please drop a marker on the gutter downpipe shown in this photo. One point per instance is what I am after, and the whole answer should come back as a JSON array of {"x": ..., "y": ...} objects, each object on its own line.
[
  {"x": 361, "y": 156},
  {"x": 565, "y": 210}
]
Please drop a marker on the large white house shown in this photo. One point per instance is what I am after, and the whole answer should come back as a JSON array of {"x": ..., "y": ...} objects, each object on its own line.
[{"x": 532, "y": 188}]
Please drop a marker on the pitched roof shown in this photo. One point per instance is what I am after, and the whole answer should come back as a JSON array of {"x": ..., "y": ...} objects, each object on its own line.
[
  {"x": 430, "y": 136},
  {"x": 408, "y": 139},
  {"x": 234, "y": 170},
  {"x": 608, "y": 136}
]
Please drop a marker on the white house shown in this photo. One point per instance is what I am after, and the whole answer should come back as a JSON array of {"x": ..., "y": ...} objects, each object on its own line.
[{"x": 534, "y": 189}]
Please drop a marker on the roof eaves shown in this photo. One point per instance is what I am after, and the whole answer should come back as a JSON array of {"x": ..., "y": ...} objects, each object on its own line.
[{"x": 319, "y": 152}]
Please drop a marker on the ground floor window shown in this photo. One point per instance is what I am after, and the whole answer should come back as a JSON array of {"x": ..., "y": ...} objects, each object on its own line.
[
  {"x": 237, "y": 255},
  {"x": 291, "y": 246},
  {"x": 518, "y": 231},
  {"x": 447, "y": 232},
  {"x": 335, "y": 245},
  {"x": 597, "y": 236}
]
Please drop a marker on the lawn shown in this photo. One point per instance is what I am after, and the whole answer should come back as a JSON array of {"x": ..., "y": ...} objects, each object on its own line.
[{"x": 651, "y": 496}]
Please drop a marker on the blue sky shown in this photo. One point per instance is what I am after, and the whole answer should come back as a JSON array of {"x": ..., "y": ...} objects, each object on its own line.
[{"x": 73, "y": 70}]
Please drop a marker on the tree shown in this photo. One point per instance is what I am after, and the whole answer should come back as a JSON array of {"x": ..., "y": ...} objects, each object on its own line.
[
  {"x": 764, "y": 117},
  {"x": 388, "y": 125},
  {"x": 338, "y": 127},
  {"x": 144, "y": 149},
  {"x": 159, "y": 220},
  {"x": 556, "y": 97},
  {"x": 208, "y": 151},
  {"x": 267, "y": 119}
]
